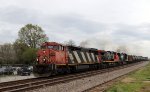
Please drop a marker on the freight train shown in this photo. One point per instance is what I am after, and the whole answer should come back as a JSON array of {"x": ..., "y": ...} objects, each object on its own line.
[{"x": 54, "y": 58}]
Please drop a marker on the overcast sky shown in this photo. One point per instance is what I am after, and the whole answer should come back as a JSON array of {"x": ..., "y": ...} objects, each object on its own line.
[{"x": 105, "y": 24}]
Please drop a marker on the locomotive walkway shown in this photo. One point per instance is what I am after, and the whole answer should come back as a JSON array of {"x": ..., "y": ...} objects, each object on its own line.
[{"x": 71, "y": 82}]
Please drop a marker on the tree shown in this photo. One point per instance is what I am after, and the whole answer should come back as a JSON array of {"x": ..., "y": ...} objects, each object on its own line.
[
  {"x": 25, "y": 55},
  {"x": 7, "y": 53},
  {"x": 70, "y": 43},
  {"x": 19, "y": 48},
  {"x": 29, "y": 56},
  {"x": 32, "y": 35}
]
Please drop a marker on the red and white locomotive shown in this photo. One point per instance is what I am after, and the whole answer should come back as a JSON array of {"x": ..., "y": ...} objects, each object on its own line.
[{"x": 55, "y": 58}]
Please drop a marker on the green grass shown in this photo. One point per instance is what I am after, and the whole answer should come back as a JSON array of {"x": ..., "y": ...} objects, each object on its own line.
[
  {"x": 140, "y": 82},
  {"x": 121, "y": 87}
]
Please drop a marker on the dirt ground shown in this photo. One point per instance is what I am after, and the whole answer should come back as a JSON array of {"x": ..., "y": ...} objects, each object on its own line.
[
  {"x": 128, "y": 80},
  {"x": 14, "y": 77}
]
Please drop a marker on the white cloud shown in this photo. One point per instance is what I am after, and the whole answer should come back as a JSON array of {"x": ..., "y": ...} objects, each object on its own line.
[{"x": 117, "y": 22}]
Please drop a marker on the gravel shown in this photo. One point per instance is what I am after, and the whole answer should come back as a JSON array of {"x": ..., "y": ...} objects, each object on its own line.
[
  {"x": 83, "y": 84},
  {"x": 7, "y": 78}
]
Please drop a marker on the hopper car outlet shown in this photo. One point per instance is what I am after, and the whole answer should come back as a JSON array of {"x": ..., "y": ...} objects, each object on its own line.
[{"x": 54, "y": 58}]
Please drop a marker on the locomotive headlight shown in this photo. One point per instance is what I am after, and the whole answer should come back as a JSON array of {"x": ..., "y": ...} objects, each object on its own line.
[
  {"x": 44, "y": 59},
  {"x": 37, "y": 59},
  {"x": 43, "y": 51}
]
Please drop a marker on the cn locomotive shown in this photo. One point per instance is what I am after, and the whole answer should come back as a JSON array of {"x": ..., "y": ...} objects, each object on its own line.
[{"x": 54, "y": 58}]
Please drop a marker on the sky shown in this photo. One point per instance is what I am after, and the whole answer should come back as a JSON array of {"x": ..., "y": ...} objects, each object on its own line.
[{"x": 102, "y": 24}]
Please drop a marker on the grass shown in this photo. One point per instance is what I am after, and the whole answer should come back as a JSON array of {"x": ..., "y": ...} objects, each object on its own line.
[{"x": 138, "y": 81}]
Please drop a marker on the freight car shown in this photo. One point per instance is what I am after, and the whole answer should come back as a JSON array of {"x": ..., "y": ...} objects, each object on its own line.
[{"x": 54, "y": 58}]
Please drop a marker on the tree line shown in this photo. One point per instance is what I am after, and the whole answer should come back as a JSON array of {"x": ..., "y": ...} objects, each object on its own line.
[{"x": 24, "y": 49}]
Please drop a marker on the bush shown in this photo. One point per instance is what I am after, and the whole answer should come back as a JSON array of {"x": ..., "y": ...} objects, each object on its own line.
[{"x": 29, "y": 56}]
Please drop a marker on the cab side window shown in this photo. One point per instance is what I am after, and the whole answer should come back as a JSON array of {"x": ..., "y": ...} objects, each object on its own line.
[
  {"x": 56, "y": 47},
  {"x": 61, "y": 48}
]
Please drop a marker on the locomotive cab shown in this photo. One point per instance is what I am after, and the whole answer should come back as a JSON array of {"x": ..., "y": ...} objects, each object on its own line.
[
  {"x": 49, "y": 57},
  {"x": 51, "y": 53}
]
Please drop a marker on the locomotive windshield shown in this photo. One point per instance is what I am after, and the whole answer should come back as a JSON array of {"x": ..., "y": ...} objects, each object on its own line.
[
  {"x": 55, "y": 47},
  {"x": 50, "y": 47}
]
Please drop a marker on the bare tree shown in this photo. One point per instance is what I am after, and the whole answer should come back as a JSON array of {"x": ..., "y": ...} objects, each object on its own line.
[
  {"x": 70, "y": 43},
  {"x": 7, "y": 53}
]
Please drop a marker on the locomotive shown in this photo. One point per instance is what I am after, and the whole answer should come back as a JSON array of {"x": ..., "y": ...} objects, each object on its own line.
[{"x": 54, "y": 58}]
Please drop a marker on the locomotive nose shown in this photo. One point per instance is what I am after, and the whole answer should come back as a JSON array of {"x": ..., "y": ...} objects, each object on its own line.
[
  {"x": 46, "y": 56},
  {"x": 52, "y": 57},
  {"x": 52, "y": 53}
]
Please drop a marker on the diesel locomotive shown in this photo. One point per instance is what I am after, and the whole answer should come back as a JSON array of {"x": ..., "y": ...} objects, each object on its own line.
[{"x": 54, "y": 58}]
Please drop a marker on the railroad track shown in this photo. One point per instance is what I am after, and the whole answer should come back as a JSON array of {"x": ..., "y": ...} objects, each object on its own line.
[
  {"x": 34, "y": 83},
  {"x": 104, "y": 86}
]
